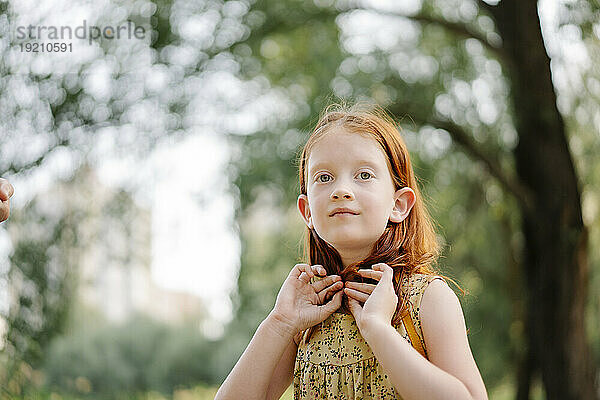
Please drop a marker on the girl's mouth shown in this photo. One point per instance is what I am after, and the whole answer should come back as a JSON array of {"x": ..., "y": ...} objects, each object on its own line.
[{"x": 342, "y": 211}]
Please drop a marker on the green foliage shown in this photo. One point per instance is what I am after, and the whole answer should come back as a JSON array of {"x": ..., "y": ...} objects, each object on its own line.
[
  {"x": 138, "y": 356},
  {"x": 42, "y": 285},
  {"x": 198, "y": 392},
  {"x": 161, "y": 25},
  {"x": 429, "y": 71}
]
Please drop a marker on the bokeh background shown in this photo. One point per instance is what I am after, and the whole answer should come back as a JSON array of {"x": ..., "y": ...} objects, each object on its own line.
[{"x": 154, "y": 216}]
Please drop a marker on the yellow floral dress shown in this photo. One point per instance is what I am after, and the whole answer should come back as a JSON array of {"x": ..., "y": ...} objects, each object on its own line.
[{"x": 337, "y": 363}]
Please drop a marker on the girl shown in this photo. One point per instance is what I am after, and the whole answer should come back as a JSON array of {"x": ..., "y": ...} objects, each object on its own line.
[{"x": 366, "y": 317}]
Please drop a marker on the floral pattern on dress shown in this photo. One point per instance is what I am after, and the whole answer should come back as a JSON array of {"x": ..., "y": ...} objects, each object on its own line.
[{"x": 337, "y": 362}]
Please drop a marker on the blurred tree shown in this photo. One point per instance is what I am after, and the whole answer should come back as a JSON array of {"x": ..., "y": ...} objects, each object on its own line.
[
  {"x": 555, "y": 260},
  {"x": 62, "y": 250},
  {"x": 137, "y": 356},
  {"x": 115, "y": 98},
  {"x": 41, "y": 287}
]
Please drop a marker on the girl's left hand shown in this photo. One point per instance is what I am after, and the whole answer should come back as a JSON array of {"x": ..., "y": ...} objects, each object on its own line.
[{"x": 379, "y": 300}]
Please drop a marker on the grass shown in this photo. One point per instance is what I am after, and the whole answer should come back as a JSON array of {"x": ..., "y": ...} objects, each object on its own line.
[{"x": 196, "y": 393}]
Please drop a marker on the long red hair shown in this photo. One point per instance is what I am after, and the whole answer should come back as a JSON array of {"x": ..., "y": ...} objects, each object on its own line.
[{"x": 409, "y": 247}]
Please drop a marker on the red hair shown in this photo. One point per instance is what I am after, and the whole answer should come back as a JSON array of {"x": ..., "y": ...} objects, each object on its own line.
[{"x": 409, "y": 247}]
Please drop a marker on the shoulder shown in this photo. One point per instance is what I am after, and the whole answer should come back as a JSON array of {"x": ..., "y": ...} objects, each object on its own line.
[
  {"x": 439, "y": 304},
  {"x": 437, "y": 289}
]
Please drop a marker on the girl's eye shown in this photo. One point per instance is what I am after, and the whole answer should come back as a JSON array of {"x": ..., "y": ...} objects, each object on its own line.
[
  {"x": 323, "y": 178},
  {"x": 365, "y": 175}
]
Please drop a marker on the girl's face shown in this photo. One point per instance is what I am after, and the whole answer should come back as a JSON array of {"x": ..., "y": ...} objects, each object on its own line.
[{"x": 350, "y": 194}]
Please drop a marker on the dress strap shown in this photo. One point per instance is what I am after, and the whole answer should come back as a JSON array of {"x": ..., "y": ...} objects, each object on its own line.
[
  {"x": 415, "y": 287},
  {"x": 415, "y": 340}
]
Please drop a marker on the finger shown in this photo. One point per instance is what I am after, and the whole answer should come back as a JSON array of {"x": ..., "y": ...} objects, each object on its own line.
[
  {"x": 331, "y": 306},
  {"x": 6, "y": 189},
  {"x": 299, "y": 269},
  {"x": 306, "y": 274},
  {"x": 362, "y": 287},
  {"x": 319, "y": 270},
  {"x": 309, "y": 272},
  {"x": 304, "y": 277},
  {"x": 369, "y": 273},
  {"x": 355, "y": 294},
  {"x": 327, "y": 281},
  {"x": 388, "y": 272},
  {"x": 328, "y": 292},
  {"x": 355, "y": 307},
  {"x": 4, "y": 210}
]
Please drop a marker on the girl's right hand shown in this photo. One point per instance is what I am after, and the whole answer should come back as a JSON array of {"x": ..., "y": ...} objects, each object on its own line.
[{"x": 300, "y": 303}]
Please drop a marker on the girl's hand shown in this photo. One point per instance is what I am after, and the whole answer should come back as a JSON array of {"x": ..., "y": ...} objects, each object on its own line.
[
  {"x": 379, "y": 300},
  {"x": 299, "y": 303}
]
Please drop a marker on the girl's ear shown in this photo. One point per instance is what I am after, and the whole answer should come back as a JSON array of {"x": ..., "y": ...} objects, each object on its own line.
[
  {"x": 404, "y": 200},
  {"x": 304, "y": 209}
]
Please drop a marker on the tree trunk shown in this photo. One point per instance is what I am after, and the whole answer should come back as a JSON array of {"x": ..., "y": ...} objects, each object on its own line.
[
  {"x": 555, "y": 259},
  {"x": 525, "y": 370}
]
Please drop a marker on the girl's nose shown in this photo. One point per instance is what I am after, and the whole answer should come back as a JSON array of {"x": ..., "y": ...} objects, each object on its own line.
[{"x": 342, "y": 192}]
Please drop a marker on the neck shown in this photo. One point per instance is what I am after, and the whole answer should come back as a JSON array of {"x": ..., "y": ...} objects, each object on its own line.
[{"x": 351, "y": 256}]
